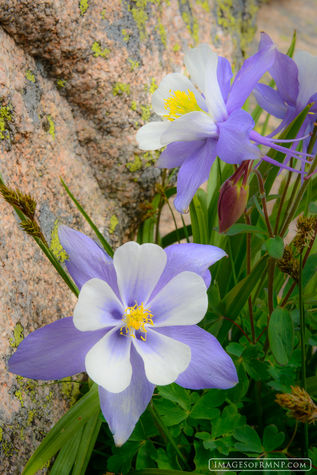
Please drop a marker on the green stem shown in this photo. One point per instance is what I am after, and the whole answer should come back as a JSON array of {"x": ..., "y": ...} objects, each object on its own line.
[
  {"x": 271, "y": 269},
  {"x": 248, "y": 237},
  {"x": 160, "y": 207},
  {"x": 41, "y": 242},
  {"x": 297, "y": 199},
  {"x": 185, "y": 229},
  {"x": 282, "y": 199},
  {"x": 99, "y": 235},
  {"x": 270, "y": 286},
  {"x": 166, "y": 434},
  {"x": 174, "y": 219},
  {"x": 232, "y": 261},
  {"x": 302, "y": 344},
  {"x": 263, "y": 200}
]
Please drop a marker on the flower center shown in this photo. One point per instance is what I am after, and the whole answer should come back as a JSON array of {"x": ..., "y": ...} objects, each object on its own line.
[
  {"x": 135, "y": 318},
  {"x": 180, "y": 103}
]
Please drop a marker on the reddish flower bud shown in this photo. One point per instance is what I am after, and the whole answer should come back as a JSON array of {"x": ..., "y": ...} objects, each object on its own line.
[{"x": 233, "y": 197}]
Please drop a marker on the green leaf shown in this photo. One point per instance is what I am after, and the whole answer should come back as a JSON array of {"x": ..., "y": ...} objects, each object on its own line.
[
  {"x": 87, "y": 443},
  {"x": 275, "y": 247},
  {"x": 170, "y": 413},
  {"x": 64, "y": 430},
  {"x": 205, "y": 412},
  {"x": 312, "y": 207},
  {"x": 248, "y": 438},
  {"x": 236, "y": 393},
  {"x": 177, "y": 394},
  {"x": 121, "y": 461},
  {"x": 199, "y": 217},
  {"x": 291, "y": 49},
  {"x": 254, "y": 365},
  {"x": 281, "y": 335},
  {"x": 173, "y": 236},
  {"x": 201, "y": 458},
  {"x": 272, "y": 438},
  {"x": 240, "y": 228},
  {"x": 233, "y": 302},
  {"x": 99, "y": 235},
  {"x": 229, "y": 420},
  {"x": 235, "y": 349},
  {"x": 144, "y": 457},
  {"x": 67, "y": 455},
  {"x": 312, "y": 385},
  {"x": 205, "y": 406}
]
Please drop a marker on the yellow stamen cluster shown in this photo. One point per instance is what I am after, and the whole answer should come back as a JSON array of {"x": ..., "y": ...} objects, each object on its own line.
[
  {"x": 180, "y": 103},
  {"x": 135, "y": 318}
]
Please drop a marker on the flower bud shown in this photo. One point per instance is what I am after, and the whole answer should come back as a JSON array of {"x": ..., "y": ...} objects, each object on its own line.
[{"x": 233, "y": 198}]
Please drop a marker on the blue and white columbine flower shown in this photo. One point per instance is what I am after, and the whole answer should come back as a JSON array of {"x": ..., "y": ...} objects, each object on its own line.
[
  {"x": 134, "y": 327},
  {"x": 201, "y": 124},
  {"x": 296, "y": 86}
]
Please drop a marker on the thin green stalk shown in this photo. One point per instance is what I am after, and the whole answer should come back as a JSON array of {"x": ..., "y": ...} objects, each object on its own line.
[
  {"x": 232, "y": 261},
  {"x": 174, "y": 219},
  {"x": 292, "y": 438},
  {"x": 265, "y": 123},
  {"x": 57, "y": 266},
  {"x": 101, "y": 238},
  {"x": 166, "y": 434},
  {"x": 302, "y": 344},
  {"x": 185, "y": 229},
  {"x": 270, "y": 285},
  {"x": 160, "y": 206},
  {"x": 297, "y": 199},
  {"x": 41, "y": 242},
  {"x": 263, "y": 200},
  {"x": 282, "y": 199},
  {"x": 248, "y": 237}
]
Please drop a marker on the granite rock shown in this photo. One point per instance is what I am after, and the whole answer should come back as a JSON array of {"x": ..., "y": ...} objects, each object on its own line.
[{"x": 75, "y": 85}]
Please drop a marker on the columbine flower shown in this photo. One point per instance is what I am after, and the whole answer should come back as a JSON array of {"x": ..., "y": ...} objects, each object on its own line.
[
  {"x": 296, "y": 83},
  {"x": 198, "y": 126},
  {"x": 134, "y": 327}
]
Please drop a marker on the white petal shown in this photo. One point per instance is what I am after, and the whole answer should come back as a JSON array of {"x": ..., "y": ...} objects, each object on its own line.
[
  {"x": 173, "y": 82},
  {"x": 192, "y": 126},
  {"x": 149, "y": 136},
  {"x": 108, "y": 362},
  {"x": 183, "y": 301},
  {"x": 164, "y": 358},
  {"x": 196, "y": 60},
  {"x": 307, "y": 76},
  {"x": 202, "y": 64},
  {"x": 138, "y": 270},
  {"x": 97, "y": 306}
]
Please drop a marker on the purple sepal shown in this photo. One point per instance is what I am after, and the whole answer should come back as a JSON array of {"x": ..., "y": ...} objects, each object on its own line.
[
  {"x": 283, "y": 70},
  {"x": 177, "y": 152},
  {"x": 86, "y": 260},
  {"x": 54, "y": 351},
  {"x": 123, "y": 410},
  {"x": 270, "y": 100},
  {"x": 251, "y": 72},
  {"x": 194, "y": 171},
  {"x": 224, "y": 75},
  {"x": 189, "y": 257},
  {"x": 234, "y": 144},
  {"x": 210, "y": 365}
]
